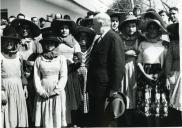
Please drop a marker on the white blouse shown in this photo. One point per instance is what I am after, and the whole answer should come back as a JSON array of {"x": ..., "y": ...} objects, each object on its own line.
[{"x": 152, "y": 53}]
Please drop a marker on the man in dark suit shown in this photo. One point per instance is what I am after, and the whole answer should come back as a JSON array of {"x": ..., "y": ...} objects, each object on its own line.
[{"x": 106, "y": 69}]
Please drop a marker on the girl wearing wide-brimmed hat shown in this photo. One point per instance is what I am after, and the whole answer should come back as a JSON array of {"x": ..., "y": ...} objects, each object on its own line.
[
  {"x": 65, "y": 29},
  {"x": 152, "y": 94},
  {"x": 50, "y": 76},
  {"x": 13, "y": 81},
  {"x": 29, "y": 49},
  {"x": 174, "y": 77},
  {"x": 85, "y": 37},
  {"x": 131, "y": 38},
  {"x": 116, "y": 18}
]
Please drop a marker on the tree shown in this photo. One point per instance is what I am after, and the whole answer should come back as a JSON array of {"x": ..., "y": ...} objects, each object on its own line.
[{"x": 122, "y": 5}]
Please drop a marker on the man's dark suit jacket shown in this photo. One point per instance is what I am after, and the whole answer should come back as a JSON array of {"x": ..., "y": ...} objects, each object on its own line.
[{"x": 106, "y": 66}]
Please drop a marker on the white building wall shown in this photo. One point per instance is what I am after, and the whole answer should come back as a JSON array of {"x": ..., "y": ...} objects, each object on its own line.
[{"x": 40, "y": 8}]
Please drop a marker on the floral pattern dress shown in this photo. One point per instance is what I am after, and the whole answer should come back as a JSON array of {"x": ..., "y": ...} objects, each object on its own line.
[{"x": 152, "y": 95}]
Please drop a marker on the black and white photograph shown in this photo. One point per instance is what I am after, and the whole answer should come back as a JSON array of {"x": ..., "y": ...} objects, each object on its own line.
[{"x": 91, "y": 63}]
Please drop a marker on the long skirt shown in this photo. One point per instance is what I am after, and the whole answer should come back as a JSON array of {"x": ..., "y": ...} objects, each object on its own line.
[
  {"x": 15, "y": 111},
  {"x": 176, "y": 91},
  {"x": 129, "y": 84},
  {"x": 50, "y": 113},
  {"x": 73, "y": 95},
  {"x": 152, "y": 96}
]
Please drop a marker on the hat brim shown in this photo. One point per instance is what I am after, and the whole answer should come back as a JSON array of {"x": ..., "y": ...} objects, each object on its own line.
[
  {"x": 87, "y": 30},
  {"x": 162, "y": 29},
  {"x": 122, "y": 26},
  {"x": 120, "y": 15},
  {"x": 86, "y": 21},
  {"x": 35, "y": 30},
  {"x": 156, "y": 15},
  {"x": 10, "y": 37},
  {"x": 42, "y": 41}
]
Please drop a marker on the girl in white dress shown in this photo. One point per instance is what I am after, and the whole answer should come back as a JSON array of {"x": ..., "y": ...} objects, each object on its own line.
[
  {"x": 13, "y": 81},
  {"x": 29, "y": 50},
  {"x": 50, "y": 77}
]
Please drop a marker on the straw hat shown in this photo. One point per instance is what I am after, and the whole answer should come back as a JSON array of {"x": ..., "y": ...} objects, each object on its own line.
[
  {"x": 153, "y": 15},
  {"x": 129, "y": 18},
  {"x": 114, "y": 13},
  {"x": 17, "y": 23}
]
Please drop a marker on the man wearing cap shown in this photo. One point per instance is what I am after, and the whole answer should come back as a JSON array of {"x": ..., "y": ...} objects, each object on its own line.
[{"x": 106, "y": 69}]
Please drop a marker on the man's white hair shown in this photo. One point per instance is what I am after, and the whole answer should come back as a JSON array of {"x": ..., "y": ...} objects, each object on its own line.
[{"x": 103, "y": 18}]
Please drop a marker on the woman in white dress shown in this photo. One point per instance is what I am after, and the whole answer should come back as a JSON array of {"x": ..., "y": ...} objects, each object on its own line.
[{"x": 50, "y": 77}]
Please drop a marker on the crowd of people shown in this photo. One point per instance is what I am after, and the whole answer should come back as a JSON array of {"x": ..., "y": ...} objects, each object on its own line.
[{"x": 57, "y": 72}]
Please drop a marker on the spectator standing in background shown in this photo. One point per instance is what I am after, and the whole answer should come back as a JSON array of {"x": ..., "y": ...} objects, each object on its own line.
[
  {"x": 173, "y": 14},
  {"x": 35, "y": 20},
  {"x": 164, "y": 16},
  {"x": 174, "y": 77},
  {"x": 137, "y": 11},
  {"x": 11, "y": 18},
  {"x": 20, "y": 16}
]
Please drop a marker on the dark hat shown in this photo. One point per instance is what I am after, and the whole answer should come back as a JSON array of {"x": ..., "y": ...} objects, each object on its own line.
[
  {"x": 17, "y": 23},
  {"x": 153, "y": 15},
  {"x": 56, "y": 24},
  {"x": 129, "y": 18},
  {"x": 45, "y": 31},
  {"x": 137, "y": 6},
  {"x": 86, "y": 22},
  {"x": 113, "y": 13},
  {"x": 162, "y": 29},
  {"x": 173, "y": 30},
  {"x": 80, "y": 29},
  {"x": 48, "y": 35},
  {"x": 116, "y": 105},
  {"x": 10, "y": 33}
]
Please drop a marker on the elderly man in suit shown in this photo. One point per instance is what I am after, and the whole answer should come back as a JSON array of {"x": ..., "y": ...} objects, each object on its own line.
[{"x": 106, "y": 69}]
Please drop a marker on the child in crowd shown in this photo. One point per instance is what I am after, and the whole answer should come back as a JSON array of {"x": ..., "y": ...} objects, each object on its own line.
[
  {"x": 131, "y": 38},
  {"x": 152, "y": 94},
  {"x": 13, "y": 81},
  {"x": 50, "y": 77}
]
